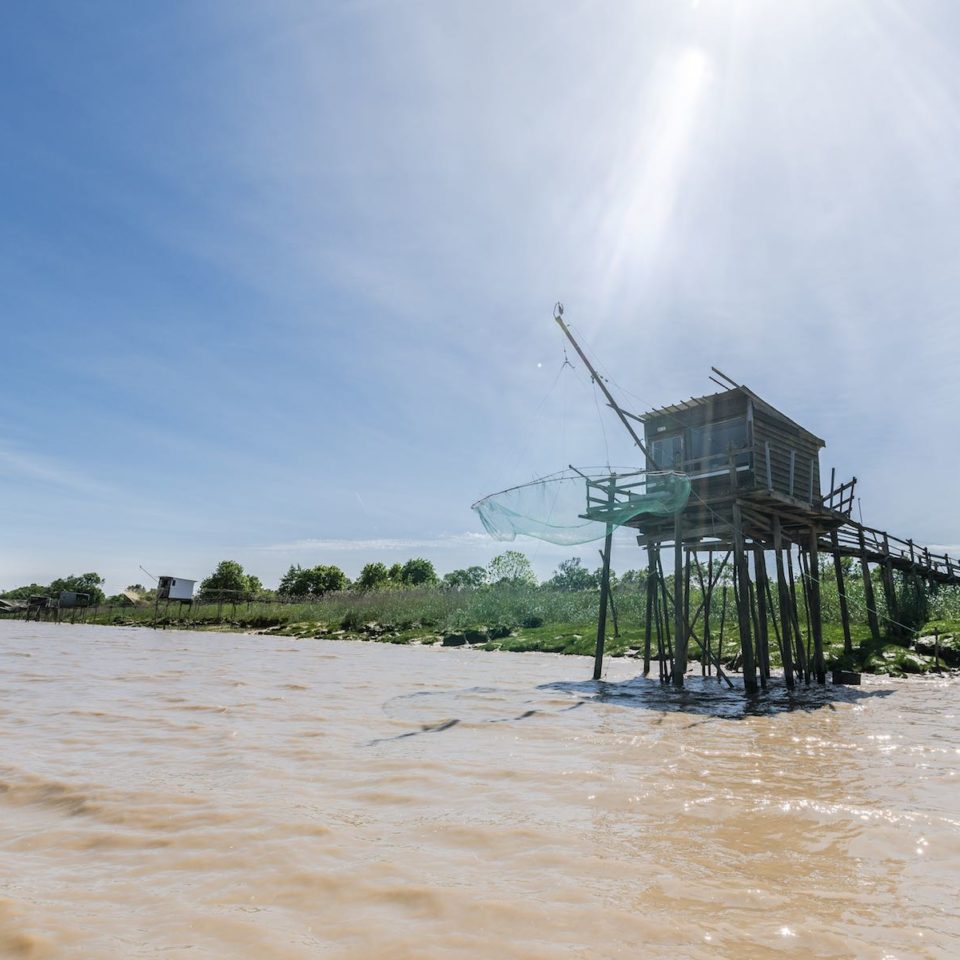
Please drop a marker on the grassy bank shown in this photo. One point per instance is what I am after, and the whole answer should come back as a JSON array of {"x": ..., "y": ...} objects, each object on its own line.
[{"x": 543, "y": 619}]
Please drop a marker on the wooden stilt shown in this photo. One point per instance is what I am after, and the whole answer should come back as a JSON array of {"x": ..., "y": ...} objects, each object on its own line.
[
  {"x": 691, "y": 633},
  {"x": 604, "y": 594},
  {"x": 651, "y": 596},
  {"x": 706, "y": 592},
  {"x": 841, "y": 592},
  {"x": 679, "y": 614},
  {"x": 868, "y": 594},
  {"x": 723, "y": 617},
  {"x": 786, "y": 614},
  {"x": 805, "y": 583},
  {"x": 795, "y": 615},
  {"x": 819, "y": 666},
  {"x": 889, "y": 584},
  {"x": 663, "y": 635},
  {"x": 755, "y": 620},
  {"x": 743, "y": 604},
  {"x": 668, "y": 642},
  {"x": 763, "y": 637}
]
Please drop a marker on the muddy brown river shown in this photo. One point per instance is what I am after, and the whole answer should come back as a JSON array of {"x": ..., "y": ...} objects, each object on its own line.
[{"x": 200, "y": 795}]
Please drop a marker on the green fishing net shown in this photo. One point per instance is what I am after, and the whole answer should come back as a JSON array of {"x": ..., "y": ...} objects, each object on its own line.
[{"x": 576, "y": 506}]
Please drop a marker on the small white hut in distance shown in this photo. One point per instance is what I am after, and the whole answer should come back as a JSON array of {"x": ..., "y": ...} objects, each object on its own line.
[{"x": 175, "y": 588}]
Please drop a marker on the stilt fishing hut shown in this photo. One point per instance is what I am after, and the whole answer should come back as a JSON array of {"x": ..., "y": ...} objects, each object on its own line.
[{"x": 730, "y": 477}]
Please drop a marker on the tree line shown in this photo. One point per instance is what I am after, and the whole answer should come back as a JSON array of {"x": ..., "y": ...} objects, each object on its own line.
[{"x": 511, "y": 568}]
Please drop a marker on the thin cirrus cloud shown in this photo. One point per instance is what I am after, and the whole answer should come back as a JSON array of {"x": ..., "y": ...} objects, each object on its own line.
[{"x": 322, "y": 256}]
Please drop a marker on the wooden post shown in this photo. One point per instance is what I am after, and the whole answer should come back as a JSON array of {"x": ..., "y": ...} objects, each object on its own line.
[
  {"x": 723, "y": 618},
  {"x": 763, "y": 636},
  {"x": 604, "y": 593},
  {"x": 679, "y": 620},
  {"x": 755, "y": 620},
  {"x": 665, "y": 622},
  {"x": 889, "y": 586},
  {"x": 841, "y": 592},
  {"x": 651, "y": 597},
  {"x": 706, "y": 592},
  {"x": 786, "y": 614},
  {"x": 868, "y": 595},
  {"x": 661, "y": 627},
  {"x": 815, "y": 612},
  {"x": 743, "y": 604},
  {"x": 802, "y": 669}
]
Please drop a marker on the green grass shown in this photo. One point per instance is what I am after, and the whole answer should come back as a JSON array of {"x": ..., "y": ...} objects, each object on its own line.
[{"x": 540, "y": 619}]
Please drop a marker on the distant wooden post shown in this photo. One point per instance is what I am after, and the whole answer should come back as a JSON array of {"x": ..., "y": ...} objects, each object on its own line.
[
  {"x": 786, "y": 613},
  {"x": 868, "y": 594},
  {"x": 679, "y": 619},
  {"x": 841, "y": 592},
  {"x": 743, "y": 603},
  {"x": 816, "y": 623}
]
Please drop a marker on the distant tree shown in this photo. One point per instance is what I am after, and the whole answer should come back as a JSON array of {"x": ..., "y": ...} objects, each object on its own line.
[
  {"x": 632, "y": 578},
  {"x": 254, "y": 586},
  {"x": 228, "y": 576},
  {"x": 417, "y": 572},
  {"x": 23, "y": 593},
  {"x": 460, "y": 579},
  {"x": 395, "y": 573},
  {"x": 511, "y": 568},
  {"x": 571, "y": 575},
  {"x": 312, "y": 581},
  {"x": 89, "y": 583},
  {"x": 373, "y": 575}
]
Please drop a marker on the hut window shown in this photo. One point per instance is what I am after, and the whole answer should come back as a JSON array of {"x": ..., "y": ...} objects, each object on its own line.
[
  {"x": 715, "y": 439},
  {"x": 667, "y": 452}
]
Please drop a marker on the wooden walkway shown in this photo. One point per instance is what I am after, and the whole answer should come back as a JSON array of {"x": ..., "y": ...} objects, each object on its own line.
[{"x": 876, "y": 546}]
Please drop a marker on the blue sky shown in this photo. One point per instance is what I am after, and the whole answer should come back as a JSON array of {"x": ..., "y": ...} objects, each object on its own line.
[{"x": 276, "y": 280}]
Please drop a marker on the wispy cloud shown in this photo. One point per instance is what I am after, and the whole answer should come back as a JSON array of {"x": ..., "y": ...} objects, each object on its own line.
[
  {"x": 378, "y": 544},
  {"x": 19, "y": 464}
]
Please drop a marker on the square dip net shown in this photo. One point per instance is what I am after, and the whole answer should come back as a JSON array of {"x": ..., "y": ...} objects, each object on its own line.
[{"x": 577, "y": 506}]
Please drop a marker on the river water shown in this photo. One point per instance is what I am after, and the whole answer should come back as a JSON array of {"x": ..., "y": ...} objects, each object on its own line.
[{"x": 200, "y": 795}]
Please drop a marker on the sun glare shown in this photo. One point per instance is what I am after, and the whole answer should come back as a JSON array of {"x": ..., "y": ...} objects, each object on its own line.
[{"x": 650, "y": 179}]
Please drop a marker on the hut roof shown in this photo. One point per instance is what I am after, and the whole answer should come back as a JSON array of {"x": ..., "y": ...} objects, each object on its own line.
[{"x": 712, "y": 398}]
